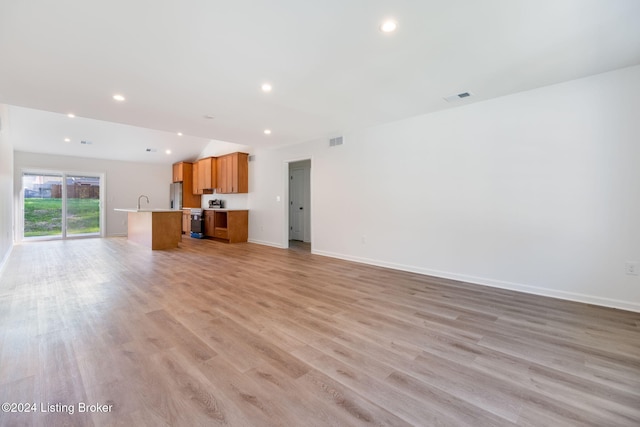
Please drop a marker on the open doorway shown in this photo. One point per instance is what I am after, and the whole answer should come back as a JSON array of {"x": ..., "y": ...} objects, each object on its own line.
[{"x": 300, "y": 205}]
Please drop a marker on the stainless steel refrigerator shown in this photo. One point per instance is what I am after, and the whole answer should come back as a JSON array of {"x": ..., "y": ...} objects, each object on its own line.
[{"x": 175, "y": 196}]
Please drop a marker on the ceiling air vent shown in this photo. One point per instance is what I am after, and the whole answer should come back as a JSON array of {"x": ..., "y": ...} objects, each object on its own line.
[
  {"x": 335, "y": 141},
  {"x": 86, "y": 142},
  {"x": 458, "y": 96},
  {"x": 152, "y": 150}
]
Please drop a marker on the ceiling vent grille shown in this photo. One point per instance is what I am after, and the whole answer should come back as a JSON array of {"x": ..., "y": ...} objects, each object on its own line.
[
  {"x": 458, "y": 96},
  {"x": 336, "y": 141},
  {"x": 86, "y": 142},
  {"x": 152, "y": 150}
]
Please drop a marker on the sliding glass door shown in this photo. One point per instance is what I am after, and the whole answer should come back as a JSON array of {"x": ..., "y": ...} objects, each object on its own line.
[
  {"x": 83, "y": 205},
  {"x": 42, "y": 205},
  {"x": 61, "y": 205}
]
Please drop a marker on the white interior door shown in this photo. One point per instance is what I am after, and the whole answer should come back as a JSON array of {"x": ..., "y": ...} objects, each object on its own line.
[{"x": 296, "y": 204}]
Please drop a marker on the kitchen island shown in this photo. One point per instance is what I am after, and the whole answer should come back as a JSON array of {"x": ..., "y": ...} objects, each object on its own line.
[{"x": 154, "y": 228}]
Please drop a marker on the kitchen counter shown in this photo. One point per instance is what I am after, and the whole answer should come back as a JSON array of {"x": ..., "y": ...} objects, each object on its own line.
[
  {"x": 154, "y": 228},
  {"x": 145, "y": 210}
]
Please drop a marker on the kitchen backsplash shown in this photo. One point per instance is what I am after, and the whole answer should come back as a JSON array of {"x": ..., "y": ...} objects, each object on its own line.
[{"x": 231, "y": 201}]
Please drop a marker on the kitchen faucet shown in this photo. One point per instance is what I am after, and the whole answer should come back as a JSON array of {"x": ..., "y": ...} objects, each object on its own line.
[{"x": 141, "y": 198}]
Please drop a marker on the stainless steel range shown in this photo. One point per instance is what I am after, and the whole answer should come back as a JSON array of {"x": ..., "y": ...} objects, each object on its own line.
[{"x": 197, "y": 223}]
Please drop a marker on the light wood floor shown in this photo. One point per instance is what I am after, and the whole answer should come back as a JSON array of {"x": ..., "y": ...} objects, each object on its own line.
[
  {"x": 297, "y": 245},
  {"x": 248, "y": 335}
]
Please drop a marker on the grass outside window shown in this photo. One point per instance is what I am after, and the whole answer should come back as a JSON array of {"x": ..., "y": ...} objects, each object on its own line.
[{"x": 43, "y": 217}]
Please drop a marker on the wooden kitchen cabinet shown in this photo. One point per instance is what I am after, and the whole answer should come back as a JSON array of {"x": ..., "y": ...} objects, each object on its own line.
[
  {"x": 183, "y": 172},
  {"x": 196, "y": 169},
  {"x": 186, "y": 221},
  {"x": 222, "y": 175},
  {"x": 231, "y": 226},
  {"x": 178, "y": 171},
  {"x": 205, "y": 175},
  {"x": 209, "y": 223},
  {"x": 233, "y": 173}
]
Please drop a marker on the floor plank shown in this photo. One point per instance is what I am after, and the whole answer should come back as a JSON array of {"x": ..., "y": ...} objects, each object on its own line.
[{"x": 217, "y": 334}]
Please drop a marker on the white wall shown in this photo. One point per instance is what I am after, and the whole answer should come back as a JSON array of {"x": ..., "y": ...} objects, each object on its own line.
[
  {"x": 6, "y": 187},
  {"x": 125, "y": 181},
  {"x": 536, "y": 191}
]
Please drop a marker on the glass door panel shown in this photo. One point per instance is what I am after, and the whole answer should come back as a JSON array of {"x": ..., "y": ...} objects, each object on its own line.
[
  {"x": 82, "y": 205},
  {"x": 43, "y": 201}
]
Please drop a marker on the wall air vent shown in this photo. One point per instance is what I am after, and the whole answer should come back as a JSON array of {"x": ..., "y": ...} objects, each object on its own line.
[
  {"x": 458, "y": 96},
  {"x": 252, "y": 157},
  {"x": 335, "y": 141},
  {"x": 86, "y": 142}
]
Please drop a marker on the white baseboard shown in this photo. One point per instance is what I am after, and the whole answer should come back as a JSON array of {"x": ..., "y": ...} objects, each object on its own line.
[
  {"x": 265, "y": 243},
  {"x": 570, "y": 296}
]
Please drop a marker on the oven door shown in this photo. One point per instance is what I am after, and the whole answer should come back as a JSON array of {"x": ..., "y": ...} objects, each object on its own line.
[{"x": 197, "y": 224}]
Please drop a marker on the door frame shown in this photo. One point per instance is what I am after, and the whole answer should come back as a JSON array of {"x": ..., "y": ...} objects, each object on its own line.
[
  {"x": 64, "y": 174},
  {"x": 285, "y": 205}
]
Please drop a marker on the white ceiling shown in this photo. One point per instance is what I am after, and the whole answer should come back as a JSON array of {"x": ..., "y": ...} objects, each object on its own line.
[
  {"x": 45, "y": 132},
  {"x": 331, "y": 68}
]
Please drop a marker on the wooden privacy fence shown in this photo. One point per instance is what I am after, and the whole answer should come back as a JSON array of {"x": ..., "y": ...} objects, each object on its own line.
[{"x": 76, "y": 191}]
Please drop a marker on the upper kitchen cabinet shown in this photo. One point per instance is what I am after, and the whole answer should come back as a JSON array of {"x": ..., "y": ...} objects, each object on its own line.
[
  {"x": 233, "y": 173},
  {"x": 205, "y": 175},
  {"x": 196, "y": 173},
  {"x": 178, "y": 171}
]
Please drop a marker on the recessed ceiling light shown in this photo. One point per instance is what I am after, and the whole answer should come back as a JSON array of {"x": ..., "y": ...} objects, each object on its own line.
[
  {"x": 71, "y": 115},
  {"x": 168, "y": 151},
  {"x": 267, "y": 131},
  {"x": 266, "y": 87},
  {"x": 179, "y": 133},
  {"x": 389, "y": 26},
  {"x": 118, "y": 97},
  {"x": 67, "y": 140}
]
